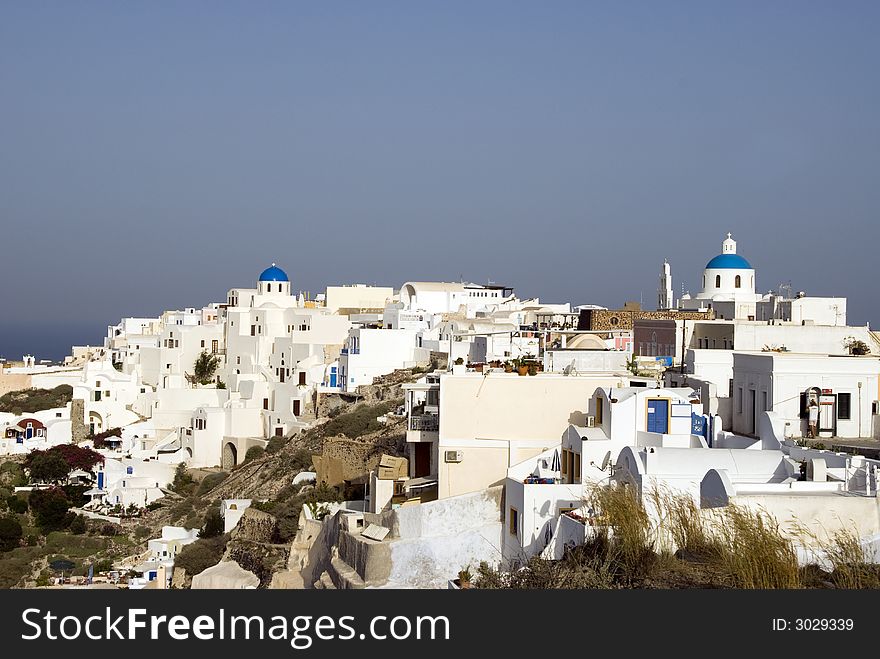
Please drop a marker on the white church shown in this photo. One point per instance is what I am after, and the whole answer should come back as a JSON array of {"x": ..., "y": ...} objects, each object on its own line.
[{"x": 729, "y": 291}]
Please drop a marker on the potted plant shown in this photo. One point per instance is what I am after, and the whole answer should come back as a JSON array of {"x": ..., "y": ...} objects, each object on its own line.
[
  {"x": 459, "y": 361},
  {"x": 464, "y": 578},
  {"x": 508, "y": 367},
  {"x": 533, "y": 369}
]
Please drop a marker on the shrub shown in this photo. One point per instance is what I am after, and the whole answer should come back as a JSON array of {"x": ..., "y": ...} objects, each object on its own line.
[
  {"x": 213, "y": 524},
  {"x": 201, "y": 554},
  {"x": 12, "y": 475},
  {"x": 103, "y": 565},
  {"x": 78, "y": 525},
  {"x": 111, "y": 530},
  {"x": 17, "y": 504},
  {"x": 10, "y": 533},
  {"x": 183, "y": 482},
  {"x": 301, "y": 459},
  {"x": 253, "y": 453},
  {"x": 359, "y": 421},
  {"x": 211, "y": 481},
  {"x": 50, "y": 509},
  {"x": 276, "y": 444}
]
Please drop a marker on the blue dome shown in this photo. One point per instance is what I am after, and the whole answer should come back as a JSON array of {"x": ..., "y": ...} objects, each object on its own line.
[
  {"x": 273, "y": 273},
  {"x": 729, "y": 262}
]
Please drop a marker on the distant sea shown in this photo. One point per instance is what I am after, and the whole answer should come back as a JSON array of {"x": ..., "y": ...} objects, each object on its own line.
[{"x": 46, "y": 341}]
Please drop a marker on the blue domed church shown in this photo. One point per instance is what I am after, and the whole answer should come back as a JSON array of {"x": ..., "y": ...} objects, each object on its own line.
[{"x": 728, "y": 285}]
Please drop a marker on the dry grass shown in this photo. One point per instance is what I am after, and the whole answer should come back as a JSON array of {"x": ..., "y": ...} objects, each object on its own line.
[
  {"x": 730, "y": 547},
  {"x": 753, "y": 553},
  {"x": 846, "y": 562}
]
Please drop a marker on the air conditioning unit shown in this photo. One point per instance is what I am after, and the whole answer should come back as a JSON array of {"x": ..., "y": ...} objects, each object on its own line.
[
  {"x": 591, "y": 421},
  {"x": 452, "y": 456}
]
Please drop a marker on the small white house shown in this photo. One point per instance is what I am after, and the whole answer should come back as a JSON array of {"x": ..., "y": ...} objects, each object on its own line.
[{"x": 845, "y": 388}]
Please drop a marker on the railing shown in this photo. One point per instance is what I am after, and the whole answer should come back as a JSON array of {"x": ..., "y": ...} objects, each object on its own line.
[{"x": 427, "y": 422}]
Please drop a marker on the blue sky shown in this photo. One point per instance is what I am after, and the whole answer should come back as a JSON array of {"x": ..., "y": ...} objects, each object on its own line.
[{"x": 154, "y": 155}]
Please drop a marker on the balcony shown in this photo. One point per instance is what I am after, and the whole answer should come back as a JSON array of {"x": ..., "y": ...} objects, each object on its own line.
[{"x": 425, "y": 422}]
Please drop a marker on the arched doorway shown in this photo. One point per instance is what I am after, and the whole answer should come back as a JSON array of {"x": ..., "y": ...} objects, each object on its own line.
[
  {"x": 230, "y": 456},
  {"x": 96, "y": 423}
]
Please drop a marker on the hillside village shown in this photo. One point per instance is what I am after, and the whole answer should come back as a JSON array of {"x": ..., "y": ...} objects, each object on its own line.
[{"x": 436, "y": 434}]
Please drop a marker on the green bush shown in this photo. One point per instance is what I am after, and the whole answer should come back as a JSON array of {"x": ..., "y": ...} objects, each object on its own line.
[
  {"x": 78, "y": 525},
  {"x": 50, "y": 509},
  {"x": 211, "y": 481},
  {"x": 10, "y": 533},
  {"x": 276, "y": 444},
  {"x": 253, "y": 453},
  {"x": 183, "y": 482},
  {"x": 142, "y": 532},
  {"x": 201, "y": 554},
  {"x": 301, "y": 459},
  {"x": 12, "y": 475},
  {"x": 359, "y": 421},
  {"x": 103, "y": 565},
  {"x": 17, "y": 504},
  {"x": 213, "y": 524}
]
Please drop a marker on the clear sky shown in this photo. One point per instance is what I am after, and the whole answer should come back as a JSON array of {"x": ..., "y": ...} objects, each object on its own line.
[{"x": 155, "y": 154}]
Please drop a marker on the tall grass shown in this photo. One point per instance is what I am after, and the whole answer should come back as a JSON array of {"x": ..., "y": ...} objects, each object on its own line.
[
  {"x": 735, "y": 546},
  {"x": 849, "y": 562},
  {"x": 753, "y": 552}
]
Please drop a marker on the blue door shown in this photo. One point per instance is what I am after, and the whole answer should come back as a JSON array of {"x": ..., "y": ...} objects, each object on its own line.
[
  {"x": 29, "y": 433},
  {"x": 332, "y": 376},
  {"x": 658, "y": 416}
]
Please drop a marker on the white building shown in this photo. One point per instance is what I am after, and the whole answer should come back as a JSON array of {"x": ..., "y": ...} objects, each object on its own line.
[
  {"x": 373, "y": 352},
  {"x": 108, "y": 395},
  {"x": 232, "y": 510},
  {"x": 845, "y": 387},
  {"x": 446, "y": 297}
]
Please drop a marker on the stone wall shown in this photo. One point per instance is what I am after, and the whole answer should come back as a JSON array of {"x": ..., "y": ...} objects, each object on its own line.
[
  {"x": 622, "y": 319},
  {"x": 78, "y": 429}
]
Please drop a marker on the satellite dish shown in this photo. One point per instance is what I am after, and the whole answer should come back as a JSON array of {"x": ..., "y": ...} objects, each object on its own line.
[{"x": 606, "y": 460}]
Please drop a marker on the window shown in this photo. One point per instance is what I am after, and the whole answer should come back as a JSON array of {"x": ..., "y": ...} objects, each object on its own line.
[
  {"x": 203, "y": 343},
  {"x": 253, "y": 330},
  {"x": 577, "y": 467},
  {"x": 302, "y": 377},
  {"x": 600, "y": 404},
  {"x": 265, "y": 403},
  {"x": 844, "y": 406},
  {"x": 737, "y": 282},
  {"x": 717, "y": 281},
  {"x": 514, "y": 521},
  {"x": 739, "y": 400}
]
